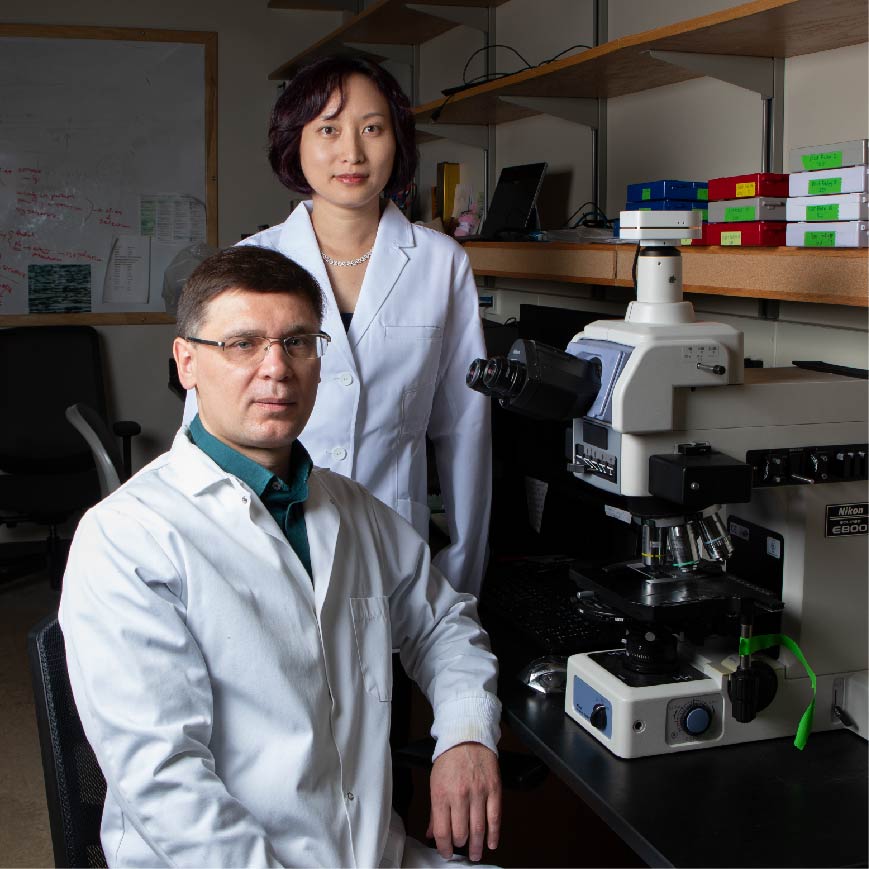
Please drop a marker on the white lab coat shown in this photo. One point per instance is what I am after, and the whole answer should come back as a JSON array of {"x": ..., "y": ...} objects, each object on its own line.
[
  {"x": 398, "y": 373},
  {"x": 239, "y": 710}
]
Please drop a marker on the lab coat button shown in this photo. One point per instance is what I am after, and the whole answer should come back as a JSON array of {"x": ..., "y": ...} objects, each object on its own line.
[
  {"x": 275, "y": 485},
  {"x": 339, "y": 453},
  {"x": 345, "y": 378},
  {"x": 350, "y": 796}
]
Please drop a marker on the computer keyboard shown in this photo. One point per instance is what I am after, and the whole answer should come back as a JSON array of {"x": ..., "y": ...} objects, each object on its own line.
[{"x": 534, "y": 601}]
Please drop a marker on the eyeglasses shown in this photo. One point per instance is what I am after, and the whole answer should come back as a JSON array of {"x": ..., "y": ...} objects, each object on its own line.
[{"x": 251, "y": 349}]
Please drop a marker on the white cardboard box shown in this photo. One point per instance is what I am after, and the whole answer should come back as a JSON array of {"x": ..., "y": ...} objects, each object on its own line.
[
  {"x": 847, "y": 233},
  {"x": 825, "y": 182},
  {"x": 847, "y": 206},
  {"x": 833, "y": 156}
]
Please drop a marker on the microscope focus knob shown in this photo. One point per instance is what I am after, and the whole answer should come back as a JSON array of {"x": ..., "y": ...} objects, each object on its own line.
[
  {"x": 696, "y": 719},
  {"x": 598, "y": 716}
]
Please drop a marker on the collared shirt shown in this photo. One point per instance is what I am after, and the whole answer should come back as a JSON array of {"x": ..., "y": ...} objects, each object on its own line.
[{"x": 283, "y": 500}]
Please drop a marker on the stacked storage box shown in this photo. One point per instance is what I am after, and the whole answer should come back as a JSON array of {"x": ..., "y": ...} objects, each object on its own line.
[
  {"x": 667, "y": 195},
  {"x": 829, "y": 195},
  {"x": 747, "y": 210}
]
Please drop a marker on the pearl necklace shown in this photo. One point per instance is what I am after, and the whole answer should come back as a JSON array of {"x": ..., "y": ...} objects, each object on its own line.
[{"x": 346, "y": 262}]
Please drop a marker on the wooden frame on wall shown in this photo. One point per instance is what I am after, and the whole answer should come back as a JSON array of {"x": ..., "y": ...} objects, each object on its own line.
[{"x": 30, "y": 82}]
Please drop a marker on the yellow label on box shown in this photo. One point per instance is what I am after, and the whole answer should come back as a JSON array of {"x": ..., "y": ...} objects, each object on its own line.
[
  {"x": 734, "y": 237},
  {"x": 746, "y": 188}
]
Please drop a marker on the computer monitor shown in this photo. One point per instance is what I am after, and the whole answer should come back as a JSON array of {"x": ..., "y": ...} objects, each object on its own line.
[{"x": 513, "y": 205}]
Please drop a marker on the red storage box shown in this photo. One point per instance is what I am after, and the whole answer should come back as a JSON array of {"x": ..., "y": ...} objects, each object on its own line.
[
  {"x": 759, "y": 233},
  {"x": 746, "y": 186}
]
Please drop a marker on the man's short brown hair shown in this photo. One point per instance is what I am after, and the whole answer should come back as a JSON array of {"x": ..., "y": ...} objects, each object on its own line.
[{"x": 244, "y": 267}]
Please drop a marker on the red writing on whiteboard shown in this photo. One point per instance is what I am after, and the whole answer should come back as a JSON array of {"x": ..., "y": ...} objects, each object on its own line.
[
  {"x": 10, "y": 270},
  {"x": 106, "y": 221},
  {"x": 35, "y": 212},
  {"x": 30, "y": 174}
]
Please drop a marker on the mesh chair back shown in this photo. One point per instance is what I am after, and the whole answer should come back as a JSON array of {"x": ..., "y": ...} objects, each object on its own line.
[
  {"x": 74, "y": 785},
  {"x": 45, "y": 370}
]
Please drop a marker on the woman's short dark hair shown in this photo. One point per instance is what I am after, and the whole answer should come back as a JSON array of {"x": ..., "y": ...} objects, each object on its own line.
[
  {"x": 244, "y": 267},
  {"x": 304, "y": 97}
]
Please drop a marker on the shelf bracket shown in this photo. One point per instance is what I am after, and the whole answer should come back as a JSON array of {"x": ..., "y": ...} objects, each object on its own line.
[
  {"x": 752, "y": 73},
  {"x": 574, "y": 109},
  {"x": 476, "y": 17},
  {"x": 397, "y": 52},
  {"x": 761, "y": 75},
  {"x": 475, "y": 135}
]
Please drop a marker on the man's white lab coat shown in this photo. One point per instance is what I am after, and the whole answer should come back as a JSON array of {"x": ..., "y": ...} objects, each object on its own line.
[
  {"x": 398, "y": 373},
  {"x": 240, "y": 711}
]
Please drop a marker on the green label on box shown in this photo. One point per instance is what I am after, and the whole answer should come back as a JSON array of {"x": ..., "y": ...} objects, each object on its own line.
[
  {"x": 644, "y": 209},
  {"x": 739, "y": 213},
  {"x": 703, "y": 194},
  {"x": 828, "y": 160},
  {"x": 704, "y": 212},
  {"x": 822, "y": 212},
  {"x": 819, "y": 239},
  {"x": 825, "y": 185},
  {"x": 731, "y": 237},
  {"x": 647, "y": 193}
]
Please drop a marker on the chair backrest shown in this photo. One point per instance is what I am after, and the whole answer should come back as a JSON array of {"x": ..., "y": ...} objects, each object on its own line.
[
  {"x": 75, "y": 789},
  {"x": 45, "y": 370},
  {"x": 103, "y": 444}
]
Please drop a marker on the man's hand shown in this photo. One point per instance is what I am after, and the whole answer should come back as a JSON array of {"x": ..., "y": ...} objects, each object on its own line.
[{"x": 465, "y": 800}]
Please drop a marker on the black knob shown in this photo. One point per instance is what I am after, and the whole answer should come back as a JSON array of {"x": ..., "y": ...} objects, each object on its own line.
[{"x": 598, "y": 716}]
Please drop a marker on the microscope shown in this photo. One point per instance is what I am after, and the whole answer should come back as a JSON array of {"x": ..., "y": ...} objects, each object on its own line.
[{"x": 745, "y": 610}]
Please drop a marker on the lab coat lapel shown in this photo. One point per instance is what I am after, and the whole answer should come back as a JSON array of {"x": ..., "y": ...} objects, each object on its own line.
[
  {"x": 322, "y": 522},
  {"x": 384, "y": 269},
  {"x": 299, "y": 243}
]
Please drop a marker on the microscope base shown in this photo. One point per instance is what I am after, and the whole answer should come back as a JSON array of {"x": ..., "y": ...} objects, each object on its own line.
[{"x": 688, "y": 710}]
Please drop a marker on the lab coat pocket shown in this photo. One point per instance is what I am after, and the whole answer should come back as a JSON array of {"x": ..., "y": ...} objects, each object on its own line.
[
  {"x": 373, "y": 644},
  {"x": 415, "y": 349}
]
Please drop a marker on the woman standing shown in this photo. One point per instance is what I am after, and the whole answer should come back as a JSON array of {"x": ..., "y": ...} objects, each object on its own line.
[{"x": 401, "y": 307}]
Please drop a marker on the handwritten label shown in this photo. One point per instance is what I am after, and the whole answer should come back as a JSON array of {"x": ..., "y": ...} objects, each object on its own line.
[
  {"x": 731, "y": 238},
  {"x": 746, "y": 188},
  {"x": 647, "y": 193},
  {"x": 819, "y": 239},
  {"x": 819, "y": 186},
  {"x": 736, "y": 215},
  {"x": 822, "y": 212},
  {"x": 827, "y": 160},
  {"x": 703, "y": 194}
]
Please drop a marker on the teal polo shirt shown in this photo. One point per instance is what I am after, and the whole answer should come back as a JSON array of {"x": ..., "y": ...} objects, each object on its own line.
[{"x": 283, "y": 500}]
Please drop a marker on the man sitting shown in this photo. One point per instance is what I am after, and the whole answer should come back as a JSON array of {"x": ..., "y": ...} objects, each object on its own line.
[{"x": 229, "y": 616}]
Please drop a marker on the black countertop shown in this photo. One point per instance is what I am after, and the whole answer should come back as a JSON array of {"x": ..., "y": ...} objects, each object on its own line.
[{"x": 758, "y": 804}]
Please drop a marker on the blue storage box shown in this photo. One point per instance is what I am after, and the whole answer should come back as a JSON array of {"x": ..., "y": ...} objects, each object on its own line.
[{"x": 696, "y": 191}]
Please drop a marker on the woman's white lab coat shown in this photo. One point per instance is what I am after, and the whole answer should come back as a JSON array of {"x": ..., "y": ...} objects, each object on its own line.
[
  {"x": 398, "y": 373},
  {"x": 239, "y": 709}
]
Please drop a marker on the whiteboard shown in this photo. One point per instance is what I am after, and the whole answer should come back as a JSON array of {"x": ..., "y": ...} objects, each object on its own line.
[{"x": 104, "y": 173}]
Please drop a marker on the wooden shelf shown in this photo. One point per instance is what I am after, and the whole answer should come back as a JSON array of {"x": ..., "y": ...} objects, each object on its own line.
[
  {"x": 385, "y": 22},
  {"x": 762, "y": 28},
  {"x": 837, "y": 277}
]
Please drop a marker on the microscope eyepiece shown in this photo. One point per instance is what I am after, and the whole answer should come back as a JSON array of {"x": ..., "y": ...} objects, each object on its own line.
[{"x": 537, "y": 380}]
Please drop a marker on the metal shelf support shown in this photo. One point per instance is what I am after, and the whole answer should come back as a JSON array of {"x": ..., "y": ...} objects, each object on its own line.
[
  {"x": 475, "y": 135},
  {"x": 761, "y": 75},
  {"x": 476, "y": 17},
  {"x": 397, "y": 52}
]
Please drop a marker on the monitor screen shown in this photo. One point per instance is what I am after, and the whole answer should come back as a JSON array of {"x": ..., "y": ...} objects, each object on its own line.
[{"x": 514, "y": 199}]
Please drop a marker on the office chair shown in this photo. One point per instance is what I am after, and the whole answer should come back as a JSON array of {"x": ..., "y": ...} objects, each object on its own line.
[
  {"x": 113, "y": 466},
  {"x": 47, "y": 473},
  {"x": 75, "y": 789}
]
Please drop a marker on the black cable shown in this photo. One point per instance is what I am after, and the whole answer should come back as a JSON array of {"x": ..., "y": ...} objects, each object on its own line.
[
  {"x": 486, "y": 48},
  {"x": 556, "y": 56}
]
